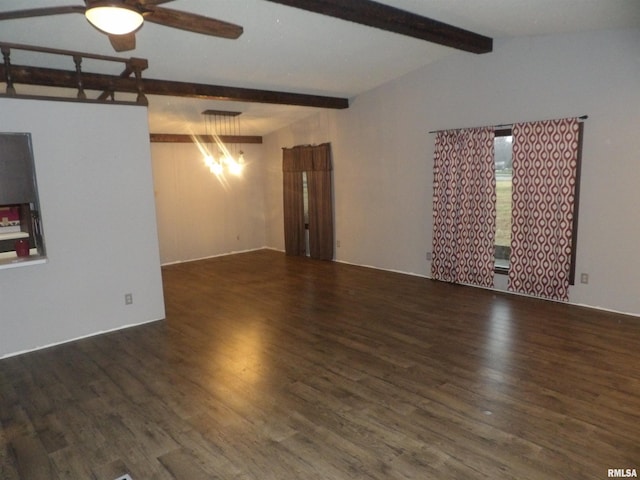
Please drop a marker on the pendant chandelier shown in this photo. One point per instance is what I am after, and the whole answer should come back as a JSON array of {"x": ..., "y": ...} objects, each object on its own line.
[{"x": 220, "y": 151}]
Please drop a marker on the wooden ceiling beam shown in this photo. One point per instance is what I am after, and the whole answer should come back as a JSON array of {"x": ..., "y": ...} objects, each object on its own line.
[
  {"x": 220, "y": 92},
  {"x": 101, "y": 82},
  {"x": 180, "y": 138},
  {"x": 392, "y": 19}
]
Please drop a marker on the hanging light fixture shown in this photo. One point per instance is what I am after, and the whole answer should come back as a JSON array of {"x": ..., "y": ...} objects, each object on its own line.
[
  {"x": 115, "y": 18},
  {"x": 223, "y": 131}
]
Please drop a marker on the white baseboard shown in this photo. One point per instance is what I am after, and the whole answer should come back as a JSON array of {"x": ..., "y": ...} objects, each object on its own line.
[
  {"x": 101, "y": 332},
  {"x": 226, "y": 254}
]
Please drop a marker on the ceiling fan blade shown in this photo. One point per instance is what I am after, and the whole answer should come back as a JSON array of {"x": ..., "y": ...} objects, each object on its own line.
[
  {"x": 40, "y": 12},
  {"x": 153, "y": 2},
  {"x": 123, "y": 43},
  {"x": 191, "y": 22}
]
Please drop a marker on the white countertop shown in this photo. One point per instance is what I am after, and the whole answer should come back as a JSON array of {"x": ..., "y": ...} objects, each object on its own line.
[
  {"x": 11, "y": 260},
  {"x": 13, "y": 235}
]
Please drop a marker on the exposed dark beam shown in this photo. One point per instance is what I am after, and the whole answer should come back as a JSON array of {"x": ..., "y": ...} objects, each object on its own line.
[
  {"x": 220, "y": 92},
  {"x": 221, "y": 113},
  {"x": 392, "y": 19},
  {"x": 94, "y": 81},
  {"x": 180, "y": 138}
]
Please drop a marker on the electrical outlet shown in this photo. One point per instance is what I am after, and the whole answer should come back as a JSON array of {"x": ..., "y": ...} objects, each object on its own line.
[
  {"x": 128, "y": 298},
  {"x": 584, "y": 278},
  {"x": 338, "y": 244},
  {"x": 428, "y": 256}
]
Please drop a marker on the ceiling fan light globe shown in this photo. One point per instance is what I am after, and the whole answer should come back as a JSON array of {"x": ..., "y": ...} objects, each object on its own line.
[{"x": 114, "y": 19}]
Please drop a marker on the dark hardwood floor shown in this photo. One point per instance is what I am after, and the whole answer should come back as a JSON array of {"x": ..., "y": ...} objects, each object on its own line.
[{"x": 270, "y": 367}]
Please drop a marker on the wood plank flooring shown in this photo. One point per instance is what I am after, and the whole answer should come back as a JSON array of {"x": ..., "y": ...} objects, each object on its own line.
[{"x": 271, "y": 367}]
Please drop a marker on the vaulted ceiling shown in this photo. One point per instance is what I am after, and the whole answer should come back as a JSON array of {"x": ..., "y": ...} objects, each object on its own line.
[{"x": 290, "y": 49}]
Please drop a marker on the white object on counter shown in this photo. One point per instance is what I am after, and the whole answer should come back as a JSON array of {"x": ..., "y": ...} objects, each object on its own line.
[{"x": 13, "y": 235}]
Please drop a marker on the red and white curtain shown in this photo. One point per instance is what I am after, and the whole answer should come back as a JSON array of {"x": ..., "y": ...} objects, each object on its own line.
[
  {"x": 545, "y": 156},
  {"x": 464, "y": 207}
]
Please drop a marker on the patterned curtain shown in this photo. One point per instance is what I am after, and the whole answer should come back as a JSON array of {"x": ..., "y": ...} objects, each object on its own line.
[
  {"x": 464, "y": 207},
  {"x": 545, "y": 156}
]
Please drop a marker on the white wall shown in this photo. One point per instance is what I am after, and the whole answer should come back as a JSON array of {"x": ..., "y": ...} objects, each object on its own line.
[
  {"x": 200, "y": 215},
  {"x": 93, "y": 170},
  {"x": 383, "y": 151}
]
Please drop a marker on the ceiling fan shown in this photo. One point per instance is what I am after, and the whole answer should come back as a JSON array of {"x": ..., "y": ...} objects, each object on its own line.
[{"x": 120, "y": 19}]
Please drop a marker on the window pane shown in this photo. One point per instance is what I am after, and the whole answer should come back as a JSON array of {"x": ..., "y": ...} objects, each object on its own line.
[
  {"x": 504, "y": 171},
  {"x": 20, "y": 225}
]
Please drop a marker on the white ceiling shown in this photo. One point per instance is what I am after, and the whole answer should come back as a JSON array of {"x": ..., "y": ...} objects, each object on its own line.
[{"x": 287, "y": 49}]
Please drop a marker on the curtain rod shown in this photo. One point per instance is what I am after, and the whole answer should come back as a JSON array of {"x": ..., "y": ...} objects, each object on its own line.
[{"x": 582, "y": 117}]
